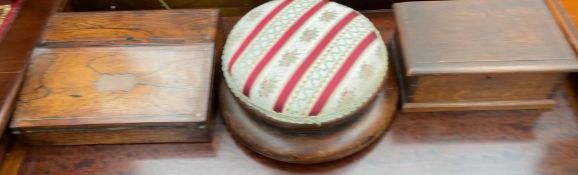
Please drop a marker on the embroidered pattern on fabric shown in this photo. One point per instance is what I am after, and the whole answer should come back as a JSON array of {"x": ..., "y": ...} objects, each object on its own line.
[
  {"x": 344, "y": 100},
  {"x": 271, "y": 32},
  {"x": 366, "y": 71},
  {"x": 328, "y": 16},
  {"x": 267, "y": 86},
  {"x": 309, "y": 35},
  {"x": 325, "y": 66},
  {"x": 346, "y": 97},
  {"x": 289, "y": 58}
]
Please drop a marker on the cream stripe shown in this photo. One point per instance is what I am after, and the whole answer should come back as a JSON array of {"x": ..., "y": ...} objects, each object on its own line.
[{"x": 301, "y": 101}]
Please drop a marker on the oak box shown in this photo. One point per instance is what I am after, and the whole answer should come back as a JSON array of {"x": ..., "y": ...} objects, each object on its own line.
[{"x": 479, "y": 55}]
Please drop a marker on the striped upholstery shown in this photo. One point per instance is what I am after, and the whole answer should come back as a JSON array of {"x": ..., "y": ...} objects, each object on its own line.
[
  {"x": 7, "y": 13},
  {"x": 304, "y": 61}
]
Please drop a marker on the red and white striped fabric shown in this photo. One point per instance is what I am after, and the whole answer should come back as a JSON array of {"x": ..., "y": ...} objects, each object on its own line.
[{"x": 304, "y": 61}]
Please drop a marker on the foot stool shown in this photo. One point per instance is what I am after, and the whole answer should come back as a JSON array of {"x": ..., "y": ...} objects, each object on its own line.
[{"x": 305, "y": 80}]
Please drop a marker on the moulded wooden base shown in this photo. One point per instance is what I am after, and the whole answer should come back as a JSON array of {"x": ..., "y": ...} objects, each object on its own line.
[
  {"x": 308, "y": 147},
  {"x": 545, "y": 104}
]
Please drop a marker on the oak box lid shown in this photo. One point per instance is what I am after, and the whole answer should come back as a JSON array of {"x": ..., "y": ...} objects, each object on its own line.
[{"x": 493, "y": 36}]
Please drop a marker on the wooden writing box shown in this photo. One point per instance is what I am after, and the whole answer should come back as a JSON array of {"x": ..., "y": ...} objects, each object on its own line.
[
  {"x": 120, "y": 77},
  {"x": 479, "y": 55}
]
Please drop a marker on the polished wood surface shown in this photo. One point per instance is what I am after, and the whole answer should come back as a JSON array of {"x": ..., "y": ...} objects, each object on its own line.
[
  {"x": 103, "y": 95},
  {"x": 508, "y": 143},
  {"x": 151, "y": 83},
  {"x": 131, "y": 28},
  {"x": 9, "y": 91},
  {"x": 228, "y": 7},
  {"x": 480, "y": 55},
  {"x": 323, "y": 145},
  {"x": 24, "y": 34},
  {"x": 116, "y": 86},
  {"x": 490, "y": 36},
  {"x": 441, "y": 143},
  {"x": 546, "y": 104},
  {"x": 15, "y": 49},
  {"x": 485, "y": 87}
]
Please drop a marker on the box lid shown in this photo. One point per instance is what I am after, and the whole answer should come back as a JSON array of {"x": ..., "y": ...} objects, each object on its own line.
[
  {"x": 116, "y": 86},
  {"x": 448, "y": 37},
  {"x": 131, "y": 27},
  {"x": 566, "y": 12}
]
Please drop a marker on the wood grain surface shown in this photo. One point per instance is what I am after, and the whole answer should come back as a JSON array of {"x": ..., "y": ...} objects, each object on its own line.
[
  {"x": 545, "y": 104},
  {"x": 485, "y": 87},
  {"x": 480, "y": 55},
  {"x": 186, "y": 132},
  {"x": 470, "y": 92},
  {"x": 15, "y": 49},
  {"x": 228, "y": 7},
  {"x": 94, "y": 91},
  {"x": 131, "y": 28},
  {"x": 491, "y": 36},
  {"x": 109, "y": 77},
  {"x": 24, "y": 33},
  {"x": 439, "y": 143},
  {"x": 116, "y": 85}
]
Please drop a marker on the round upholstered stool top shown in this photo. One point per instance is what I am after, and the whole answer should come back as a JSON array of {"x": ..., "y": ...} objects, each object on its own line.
[{"x": 304, "y": 62}]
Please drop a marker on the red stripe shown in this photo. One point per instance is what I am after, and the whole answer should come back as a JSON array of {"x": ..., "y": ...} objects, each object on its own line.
[
  {"x": 278, "y": 45},
  {"x": 256, "y": 31},
  {"x": 341, "y": 73},
  {"x": 288, "y": 89}
]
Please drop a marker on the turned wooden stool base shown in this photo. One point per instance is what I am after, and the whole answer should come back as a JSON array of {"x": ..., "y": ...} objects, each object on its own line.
[{"x": 308, "y": 147}]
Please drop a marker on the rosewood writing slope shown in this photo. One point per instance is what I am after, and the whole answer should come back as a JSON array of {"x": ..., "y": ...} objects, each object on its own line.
[{"x": 120, "y": 77}]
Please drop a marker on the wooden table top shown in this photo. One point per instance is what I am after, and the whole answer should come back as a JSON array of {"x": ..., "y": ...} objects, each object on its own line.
[{"x": 488, "y": 142}]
